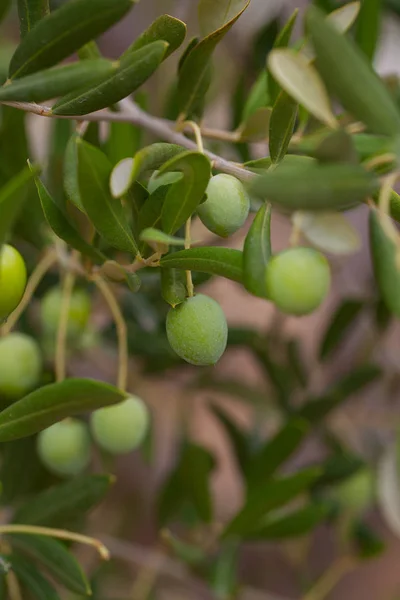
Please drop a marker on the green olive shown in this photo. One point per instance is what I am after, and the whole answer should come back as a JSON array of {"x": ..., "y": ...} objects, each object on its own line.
[
  {"x": 227, "y": 206},
  {"x": 65, "y": 447},
  {"x": 78, "y": 315},
  {"x": 197, "y": 330},
  {"x": 20, "y": 365},
  {"x": 12, "y": 280},
  {"x": 121, "y": 428},
  {"x": 298, "y": 280},
  {"x": 356, "y": 493}
]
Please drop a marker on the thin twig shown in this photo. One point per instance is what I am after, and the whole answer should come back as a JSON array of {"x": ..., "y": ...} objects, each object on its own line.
[
  {"x": 40, "y": 271},
  {"x": 331, "y": 578},
  {"x": 120, "y": 326},
  {"x": 62, "y": 331},
  {"x": 61, "y": 534}
]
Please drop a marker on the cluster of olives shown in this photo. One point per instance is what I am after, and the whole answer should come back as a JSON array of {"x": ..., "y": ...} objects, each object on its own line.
[{"x": 296, "y": 280}]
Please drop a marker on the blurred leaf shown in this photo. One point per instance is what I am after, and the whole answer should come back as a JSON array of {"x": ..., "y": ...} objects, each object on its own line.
[
  {"x": 337, "y": 146},
  {"x": 54, "y": 402},
  {"x": 257, "y": 252},
  {"x": 197, "y": 460},
  {"x": 275, "y": 452},
  {"x": 281, "y": 126},
  {"x": 123, "y": 141},
  {"x": 157, "y": 237},
  {"x": 149, "y": 158},
  {"x": 255, "y": 128},
  {"x": 296, "y": 361},
  {"x": 317, "y": 409},
  {"x": 54, "y": 556},
  {"x": 384, "y": 253},
  {"x": 394, "y": 207},
  {"x": 170, "y": 498},
  {"x": 348, "y": 76},
  {"x": 238, "y": 439},
  {"x": 150, "y": 212},
  {"x": 65, "y": 502},
  {"x": 32, "y": 579},
  {"x": 258, "y": 96},
  {"x": 267, "y": 497},
  {"x": 224, "y": 262},
  {"x": 329, "y": 231},
  {"x": 368, "y": 27},
  {"x": 173, "y": 286},
  {"x": 310, "y": 186},
  {"x": 12, "y": 198},
  {"x": 13, "y": 126},
  {"x": 166, "y": 28},
  {"x": 282, "y": 41},
  {"x": 56, "y": 81},
  {"x": 279, "y": 374},
  {"x": 368, "y": 544},
  {"x": 224, "y": 571},
  {"x": 194, "y": 71},
  {"x": 29, "y": 13},
  {"x": 214, "y": 14},
  {"x": 132, "y": 72},
  {"x": 62, "y": 227},
  {"x": 294, "y": 524},
  {"x": 185, "y": 195},
  {"x": 341, "y": 322},
  {"x": 5, "y": 6},
  {"x": 388, "y": 489},
  {"x": 337, "y": 468},
  {"x": 21, "y": 471},
  {"x": 60, "y": 33},
  {"x": 106, "y": 214},
  {"x": 187, "y": 553},
  {"x": 71, "y": 184}
]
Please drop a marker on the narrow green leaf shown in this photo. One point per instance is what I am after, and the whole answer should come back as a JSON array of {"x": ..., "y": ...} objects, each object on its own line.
[
  {"x": 185, "y": 195},
  {"x": 54, "y": 556},
  {"x": 149, "y": 158},
  {"x": 350, "y": 78},
  {"x": 275, "y": 452},
  {"x": 57, "y": 81},
  {"x": 194, "y": 72},
  {"x": 65, "y": 502},
  {"x": 318, "y": 408},
  {"x": 224, "y": 262},
  {"x": 337, "y": 146},
  {"x": 89, "y": 51},
  {"x": 337, "y": 468},
  {"x": 295, "y": 524},
  {"x": 173, "y": 286},
  {"x": 384, "y": 257},
  {"x": 151, "y": 235},
  {"x": 12, "y": 198},
  {"x": 341, "y": 323},
  {"x": 368, "y": 26},
  {"x": 301, "y": 81},
  {"x": 296, "y": 361},
  {"x": 32, "y": 579},
  {"x": 133, "y": 71},
  {"x": 310, "y": 186},
  {"x": 62, "y": 32},
  {"x": 224, "y": 570},
  {"x": 187, "y": 553},
  {"x": 214, "y": 14},
  {"x": 258, "y": 96},
  {"x": 267, "y": 497},
  {"x": 196, "y": 459},
  {"x": 256, "y": 127},
  {"x": 62, "y": 227},
  {"x": 5, "y": 6},
  {"x": 30, "y": 12},
  {"x": 150, "y": 212},
  {"x": 106, "y": 213},
  {"x": 368, "y": 543},
  {"x": 166, "y": 28},
  {"x": 71, "y": 183},
  {"x": 257, "y": 252},
  {"x": 123, "y": 141},
  {"x": 281, "y": 126},
  {"x": 21, "y": 471},
  {"x": 282, "y": 41},
  {"x": 54, "y": 402},
  {"x": 237, "y": 437}
]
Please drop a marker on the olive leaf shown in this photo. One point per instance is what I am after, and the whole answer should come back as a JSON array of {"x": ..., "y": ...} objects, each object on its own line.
[
  {"x": 166, "y": 28},
  {"x": 329, "y": 231},
  {"x": 62, "y": 32},
  {"x": 294, "y": 524},
  {"x": 281, "y": 126},
  {"x": 30, "y": 12},
  {"x": 70, "y": 172},
  {"x": 257, "y": 252},
  {"x": 368, "y": 27},
  {"x": 343, "y": 319},
  {"x": 282, "y": 41},
  {"x": 224, "y": 262},
  {"x": 31, "y": 578},
  {"x": 157, "y": 237},
  {"x": 214, "y": 14},
  {"x": 173, "y": 286},
  {"x": 256, "y": 127}
]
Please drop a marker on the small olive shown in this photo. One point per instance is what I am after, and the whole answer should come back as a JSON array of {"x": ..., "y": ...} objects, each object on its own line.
[
  {"x": 356, "y": 493},
  {"x": 64, "y": 448},
  {"x": 20, "y": 364},
  {"x": 12, "y": 279},
  {"x": 78, "y": 315}
]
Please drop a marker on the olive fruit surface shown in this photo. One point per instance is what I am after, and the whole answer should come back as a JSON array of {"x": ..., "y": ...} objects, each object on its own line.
[
  {"x": 298, "y": 280},
  {"x": 227, "y": 206},
  {"x": 78, "y": 315},
  {"x": 121, "y": 428},
  {"x": 20, "y": 365},
  {"x": 64, "y": 448},
  {"x": 197, "y": 330},
  {"x": 12, "y": 279}
]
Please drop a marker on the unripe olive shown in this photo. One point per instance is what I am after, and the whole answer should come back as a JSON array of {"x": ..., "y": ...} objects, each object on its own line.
[
  {"x": 12, "y": 279},
  {"x": 157, "y": 180},
  {"x": 197, "y": 330},
  {"x": 121, "y": 428},
  {"x": 78, "y": 315},
  {"x": 64, "y": 448},
  {"x": 20, "y": 365},
  {"x": 298, "y": 280},
  {"x": 356, "y": 493},
  {"x": 227, "y": 205}
]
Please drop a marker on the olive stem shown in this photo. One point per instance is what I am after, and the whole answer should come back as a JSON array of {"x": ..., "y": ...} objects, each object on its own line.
[
  {"x": 48, "y": 260},
  {"x": 14, "y": 591},
  {"x": 330, "y": 578},
  {"x": 61, "y": 534},
  {"x": 120, "y": 326},
  {"x": 62, "y": 331}
]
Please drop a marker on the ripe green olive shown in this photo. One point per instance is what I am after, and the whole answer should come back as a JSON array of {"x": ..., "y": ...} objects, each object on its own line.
[
  {"x": 298, "y": 280},
  {"x": 197, "y": 330},
  {"x": 64, "y": 448},
  {"x": 121, "y": 428},
  {"x": 12, "y": 279},
  {"x": 20, "y": 365},
  {"x": 227, "y": 205},
  {"x": 356, "y": 493},
  {"x": 78, "y": 315}
]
